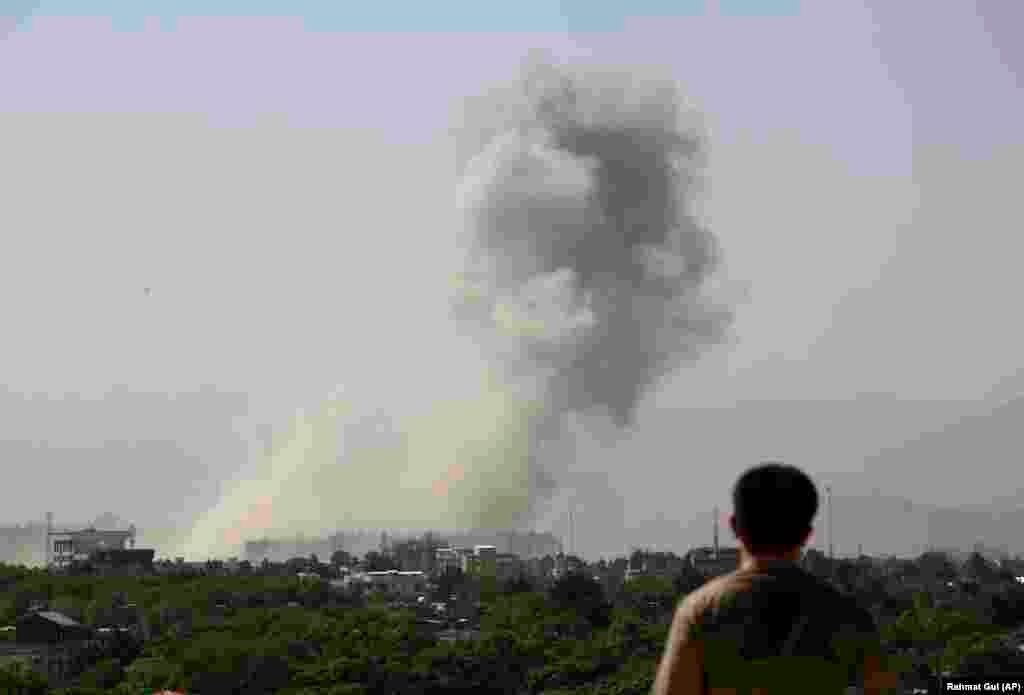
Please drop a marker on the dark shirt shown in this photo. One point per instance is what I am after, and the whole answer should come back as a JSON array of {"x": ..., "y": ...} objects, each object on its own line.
[{"x": 736, "y": 627}]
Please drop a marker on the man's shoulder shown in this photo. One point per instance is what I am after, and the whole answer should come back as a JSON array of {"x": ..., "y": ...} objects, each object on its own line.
[
  {"x": 844, "y": 610},
  {"x": 824, "y": 597},
  {"x": 713, "y": 589},
  {"x": 842, "y": 603},
  {"x": 713, "y": 594},
  {"x": 695, "y": 603}
]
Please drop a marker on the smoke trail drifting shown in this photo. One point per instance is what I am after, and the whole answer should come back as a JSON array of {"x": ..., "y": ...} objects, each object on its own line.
[{"x": 583, "y": 287}]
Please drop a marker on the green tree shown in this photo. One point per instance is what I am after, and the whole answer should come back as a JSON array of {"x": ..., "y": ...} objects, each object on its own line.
[
  {"x": 379, "y": 562},
  {"x": 449, "y": 582},
  {"x": 651, "y": 596},
  {"x": 341, "y": 558},
  {"x": 314, "y": 593},
  {"x": 980, "y": 569},
  {"x": 629, "y": 635},
  {"x": 152, "y": 673},
  {"x": 103, "y": 676},
  {"x": 1008, "y": 606},
  {"x": 937, "y": 565},
  {"x": 577, "y": 592},
  {"x": 946, "y": 635},
  {"x": 687, "y": 580},
  {"x": 8, "y": 612},
  {"x": 992, "y": 659},
  {"x": 517, "y": 585},
  {"x": 848, "y": 575},
  {"x": 18, "y": 679}
]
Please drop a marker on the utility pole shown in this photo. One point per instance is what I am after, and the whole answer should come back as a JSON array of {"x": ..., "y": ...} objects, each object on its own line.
[
  {"x": 715, "y": 535},
  {"x": 573, "y": 550},
  {"x": 570, "y": 531},
  {"x": 47, "y": 550},
  {"x": 828, "y": 493}
]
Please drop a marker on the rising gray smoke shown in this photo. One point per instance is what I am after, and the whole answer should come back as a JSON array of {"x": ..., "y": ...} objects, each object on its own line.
[{"x": 587, "y": 262}]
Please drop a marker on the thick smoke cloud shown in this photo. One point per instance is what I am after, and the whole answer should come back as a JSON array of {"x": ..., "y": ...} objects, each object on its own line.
[{"x": 587, "y": 259}]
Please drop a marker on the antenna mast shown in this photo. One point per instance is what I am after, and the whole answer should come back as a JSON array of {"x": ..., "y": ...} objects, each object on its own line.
[
  {"x": 715, "y": 536},
  {"x": 828, "y": 491},
  {"x": 47, "y": 557}
]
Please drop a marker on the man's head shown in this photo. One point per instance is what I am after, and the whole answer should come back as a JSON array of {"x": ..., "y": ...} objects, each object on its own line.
[{"x": 773, "y": 507}]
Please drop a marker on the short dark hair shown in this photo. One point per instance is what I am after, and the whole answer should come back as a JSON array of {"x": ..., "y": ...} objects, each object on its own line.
[{"x": 774, "y": 505}]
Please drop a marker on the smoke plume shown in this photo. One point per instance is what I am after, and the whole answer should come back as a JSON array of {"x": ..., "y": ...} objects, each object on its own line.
[
  {"x": 587, "y": 259},
  {"x": 583, "y": 286}
]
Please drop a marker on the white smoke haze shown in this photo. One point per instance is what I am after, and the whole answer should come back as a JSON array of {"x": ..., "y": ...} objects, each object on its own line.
[{"x": 583, "y": 286}]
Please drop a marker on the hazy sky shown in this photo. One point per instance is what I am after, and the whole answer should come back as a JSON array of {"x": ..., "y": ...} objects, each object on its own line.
[{"x": 283, "y": 185}]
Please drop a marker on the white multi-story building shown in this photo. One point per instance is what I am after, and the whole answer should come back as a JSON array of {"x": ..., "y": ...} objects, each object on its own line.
[
  {"x": 65, "y": 547},
  {"x": 713, "y": 561}
]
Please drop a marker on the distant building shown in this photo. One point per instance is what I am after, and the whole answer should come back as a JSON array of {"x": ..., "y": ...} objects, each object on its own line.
[
  {"x": 123, "y": 560},
  {"x": 712, "y": 563},
  {"x": 524, "y": 544},
  {"x": 66, "y": 547},
  {"x": 415, "y": 553},
  {"x": 412, "y": 549},
  {"x": 541, "y": 569},
  {"x": 508, "y": 566},
  {"x": 404, "y": 584},
  {"x": 447, "y": 560},
  {"x": 655, "y": 564},
  {"x": 565, "y": 564},
  {"x": 180, "y": 568},
  {"x": 284, "y": 549}
]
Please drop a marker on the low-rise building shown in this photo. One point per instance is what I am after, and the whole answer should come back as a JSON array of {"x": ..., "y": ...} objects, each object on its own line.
[
  {"x": 394, "y": 582},
  {"x": 508, "y": 566},
  {"x": 68, "y": 547},
  {"x": 566, "y": 564},
  {"x": 541, "y": 569},
  {"x": 123, "y": 560},
  {"x": 446, "y": 560},
  {"x": 712, "y": 562}
]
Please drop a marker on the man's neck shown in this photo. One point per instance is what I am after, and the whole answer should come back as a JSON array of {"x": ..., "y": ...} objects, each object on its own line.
[{"x": 750, "y": 560}]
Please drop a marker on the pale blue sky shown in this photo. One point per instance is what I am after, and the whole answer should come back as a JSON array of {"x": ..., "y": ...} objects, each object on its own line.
[
  {"x": 403, "y": 15},
  {"x": 862, "y": 179}
]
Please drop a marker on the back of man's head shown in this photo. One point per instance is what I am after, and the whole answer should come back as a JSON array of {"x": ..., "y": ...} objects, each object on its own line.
[{"x": 774, "y": 505}]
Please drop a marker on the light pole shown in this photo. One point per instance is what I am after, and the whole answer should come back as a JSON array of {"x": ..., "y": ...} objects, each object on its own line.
[
  {"x": 828, "y": 493},
  {"x": 571, "y": 530}
]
